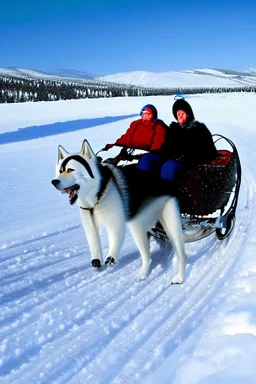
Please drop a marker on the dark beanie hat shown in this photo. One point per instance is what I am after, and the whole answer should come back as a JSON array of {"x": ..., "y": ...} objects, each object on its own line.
[
  {"x": 183, "y": 105},
  {"x": 152, "y": 108}
]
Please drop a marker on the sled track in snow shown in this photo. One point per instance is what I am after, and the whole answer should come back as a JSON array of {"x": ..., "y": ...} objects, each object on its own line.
[
  {"x": 34, "y": 239},
  {"x": 117, "y": 347}
]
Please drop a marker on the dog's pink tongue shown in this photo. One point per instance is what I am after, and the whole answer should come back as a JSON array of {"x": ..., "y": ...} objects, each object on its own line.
[{"x": 71, "y": 194}]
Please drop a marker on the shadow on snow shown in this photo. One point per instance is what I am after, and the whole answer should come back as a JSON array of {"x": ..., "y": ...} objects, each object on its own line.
[{"x": 39, "y": 131}]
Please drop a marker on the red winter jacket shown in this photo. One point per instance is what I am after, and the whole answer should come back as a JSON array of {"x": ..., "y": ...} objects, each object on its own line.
[{"x": 148, "y": 135}]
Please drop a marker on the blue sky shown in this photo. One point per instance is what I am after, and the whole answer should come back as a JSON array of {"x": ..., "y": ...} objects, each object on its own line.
[{"x": 106, "y": 37}]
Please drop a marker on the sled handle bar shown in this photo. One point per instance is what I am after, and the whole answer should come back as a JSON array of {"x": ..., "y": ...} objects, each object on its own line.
[{"x": 126, "y": 154}]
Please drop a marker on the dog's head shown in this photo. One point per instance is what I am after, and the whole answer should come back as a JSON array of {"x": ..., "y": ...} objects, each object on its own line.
[{"x": 76, "y": 171}]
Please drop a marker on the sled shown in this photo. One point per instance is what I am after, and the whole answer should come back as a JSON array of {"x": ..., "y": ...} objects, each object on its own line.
[{"x": 207, "y": 194}]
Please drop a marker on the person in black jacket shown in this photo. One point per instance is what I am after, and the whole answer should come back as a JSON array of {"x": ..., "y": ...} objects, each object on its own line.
[{"x": 188, "y": 141}]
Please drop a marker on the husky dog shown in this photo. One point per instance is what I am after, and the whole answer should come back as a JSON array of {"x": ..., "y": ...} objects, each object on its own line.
[{"x": 110, "y": 196}]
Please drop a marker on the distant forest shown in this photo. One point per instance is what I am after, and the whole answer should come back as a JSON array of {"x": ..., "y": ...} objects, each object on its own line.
[{"x": 15, "y": 89}]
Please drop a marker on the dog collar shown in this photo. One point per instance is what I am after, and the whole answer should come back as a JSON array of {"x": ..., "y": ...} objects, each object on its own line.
[
  {"x": 87, "y": 209},
  {"x": 105, "y": 180}
]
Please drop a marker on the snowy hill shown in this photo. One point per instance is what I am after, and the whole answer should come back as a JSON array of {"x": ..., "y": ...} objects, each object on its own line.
[
  {"x": 57, "y": 74},
  {"x": 13, "y": 71},
  {"x": 186, "y": 78},
  {"x": 73, "y": 73}
]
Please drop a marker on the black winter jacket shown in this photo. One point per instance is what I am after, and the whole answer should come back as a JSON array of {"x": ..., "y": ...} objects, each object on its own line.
[{"x": 190, "y": 144}]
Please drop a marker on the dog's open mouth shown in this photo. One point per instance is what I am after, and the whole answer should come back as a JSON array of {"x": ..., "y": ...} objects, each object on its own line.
[{"x": 72, "y": 193}]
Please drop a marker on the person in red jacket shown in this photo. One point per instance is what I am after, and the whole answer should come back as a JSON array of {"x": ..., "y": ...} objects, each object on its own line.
[{"x": 147, "y": 133}]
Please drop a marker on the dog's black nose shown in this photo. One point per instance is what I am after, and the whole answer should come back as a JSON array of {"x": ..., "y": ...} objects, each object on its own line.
[{"x": 55, "y": 182}]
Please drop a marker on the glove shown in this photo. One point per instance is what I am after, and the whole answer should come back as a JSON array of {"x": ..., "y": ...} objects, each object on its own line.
[{"x": 107, "y": 147}]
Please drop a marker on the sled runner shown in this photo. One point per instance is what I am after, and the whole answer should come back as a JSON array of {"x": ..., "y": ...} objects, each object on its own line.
[{"x": 207, "y": 194}]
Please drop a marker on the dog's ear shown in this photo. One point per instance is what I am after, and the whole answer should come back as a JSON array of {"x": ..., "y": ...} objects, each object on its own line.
[
  {"x": 62, "y": 153},
  {"x": 86, "y": 150}
]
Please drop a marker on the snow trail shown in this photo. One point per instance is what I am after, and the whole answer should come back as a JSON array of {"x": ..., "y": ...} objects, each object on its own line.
[{"x": 61, "y": 321}]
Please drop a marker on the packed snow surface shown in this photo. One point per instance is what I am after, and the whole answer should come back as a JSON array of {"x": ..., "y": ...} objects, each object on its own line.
[{"x": 61, "y": 321}]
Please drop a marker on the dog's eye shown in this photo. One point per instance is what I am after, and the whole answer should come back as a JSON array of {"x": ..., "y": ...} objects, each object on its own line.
[{"x": 70, "y": 170}]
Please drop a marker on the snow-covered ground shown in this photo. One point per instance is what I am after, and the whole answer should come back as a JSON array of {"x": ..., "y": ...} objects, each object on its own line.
[{"x": 61, "y": 321}]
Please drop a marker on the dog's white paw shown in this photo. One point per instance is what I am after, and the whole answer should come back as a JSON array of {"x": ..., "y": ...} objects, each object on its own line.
[
  {"x": 139, "y": 277},
  {"x": 178, "y": 279},
  {"x": 142, "y": 275},
  {"x": 111, "y": 261}
]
